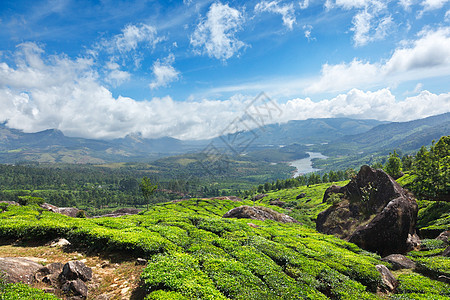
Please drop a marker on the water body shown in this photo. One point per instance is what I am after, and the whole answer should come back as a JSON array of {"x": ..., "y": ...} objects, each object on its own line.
[{"x": 304, "y": 165}]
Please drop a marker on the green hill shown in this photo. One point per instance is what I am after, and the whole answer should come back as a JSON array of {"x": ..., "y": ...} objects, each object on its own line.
[{"x": 194, "y": 253}]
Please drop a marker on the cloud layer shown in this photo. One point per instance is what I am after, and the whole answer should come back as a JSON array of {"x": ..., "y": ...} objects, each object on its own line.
[{"x": 40, "y": 92}]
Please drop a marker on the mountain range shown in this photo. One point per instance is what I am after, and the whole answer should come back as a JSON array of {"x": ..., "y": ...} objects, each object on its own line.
[{"x": 332, "y": 136}]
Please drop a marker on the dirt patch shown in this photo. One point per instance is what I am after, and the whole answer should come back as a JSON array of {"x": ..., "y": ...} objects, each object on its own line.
[{"x": 114, "y": 275}]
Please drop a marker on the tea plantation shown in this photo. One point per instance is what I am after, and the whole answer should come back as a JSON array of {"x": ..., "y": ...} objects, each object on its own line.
[{"x": 194, "y": 253}]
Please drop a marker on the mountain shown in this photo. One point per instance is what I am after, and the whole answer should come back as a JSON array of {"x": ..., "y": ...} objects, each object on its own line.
[
  {"x": 405, "y": 136},
  {"x": 331, "y": 136},
  {"x": 53, "y": 146},
  {"x": 310, "y": 131}
]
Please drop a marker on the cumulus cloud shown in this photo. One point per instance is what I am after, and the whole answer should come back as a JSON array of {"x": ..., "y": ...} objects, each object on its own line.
[
  {"x": 428, "y": 56},
  {"x": 164, "y": 72},
  {"x": 215, "y": 35},
  {"x": 381, "y": 105},
  {"x": 286, "y": 11}
]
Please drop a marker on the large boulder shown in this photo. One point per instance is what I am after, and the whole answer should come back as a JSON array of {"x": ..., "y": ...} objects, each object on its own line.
[
  {"x": 258, "y": 213},
  {"x": 18, "y": 269},
  {"x": 376, "y": 213},
  {"x": 68, "y": 211}
]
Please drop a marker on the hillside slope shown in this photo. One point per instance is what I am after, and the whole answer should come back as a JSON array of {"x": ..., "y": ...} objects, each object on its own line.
[{"x": 193, "y": 253}]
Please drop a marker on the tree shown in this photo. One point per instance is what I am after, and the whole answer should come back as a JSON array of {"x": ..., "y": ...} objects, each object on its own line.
[
  {"x": 394, "y": 165},
  {"x": 147, "y": 189},
  {"x": 433, "y": 170}
]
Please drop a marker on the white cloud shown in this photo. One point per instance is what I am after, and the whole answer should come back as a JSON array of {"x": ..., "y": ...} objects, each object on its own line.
[
  {"x": 287, "y": 11},
  {"x": 114, "y": 75},
  {"x": 164, "y": 72},
  {"x": 133, "y": 35},
  {"x": 406, "y": 4},
  {"x": 215, "y": 35},
  {"x": 381, "y": 105},
  {"x": 447, "y": 16},
  {"x": 349, "y": 4},
  {"x": 428, "y": 56},
  {"x": 433, "y": 4},
  {"x": 307, "y": 31},
  {"x": 304, "y": 4},
  {"x": 372, "y": 20}
]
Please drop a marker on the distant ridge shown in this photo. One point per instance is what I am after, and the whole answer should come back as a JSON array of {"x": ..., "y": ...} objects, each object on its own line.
[{"x": 343, "y": 135}]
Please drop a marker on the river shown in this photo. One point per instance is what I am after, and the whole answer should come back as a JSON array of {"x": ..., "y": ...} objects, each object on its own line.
[{"x": 304, "y": 165}]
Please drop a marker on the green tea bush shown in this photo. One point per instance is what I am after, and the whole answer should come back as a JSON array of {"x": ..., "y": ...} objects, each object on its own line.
[
  {"x": 15, "y": 291},
  {"x": 179, "y": 272},
  {"x": 419, "y": 284}
]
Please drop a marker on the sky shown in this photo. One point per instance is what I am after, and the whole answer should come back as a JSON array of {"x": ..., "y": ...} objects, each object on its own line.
[{"x": 190, "y": 69}]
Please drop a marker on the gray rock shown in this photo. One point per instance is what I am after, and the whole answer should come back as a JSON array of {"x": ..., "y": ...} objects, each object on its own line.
[
  {"x": 388, "y": 280},
  {"x": 49, "y": 274},
  {"x": 68, "y": 211},
  {"x": 258, "y": 213},
  {"x": 59, "y": 243},
  {"x": 301, "y": 195},
  {"x": 258, "y": 197},
  {"x": 277, "y": 202},
  {"x": 399, "y": 261},
  {"x": 444, "y": 236},
  {"x": 75, "y": 287},
  {"x": 18, "y": 269},
  {"x": 74, "y": 270}
]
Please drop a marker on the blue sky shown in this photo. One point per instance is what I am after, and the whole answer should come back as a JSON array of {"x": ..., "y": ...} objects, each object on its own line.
[{"x": 187, "y": 69}]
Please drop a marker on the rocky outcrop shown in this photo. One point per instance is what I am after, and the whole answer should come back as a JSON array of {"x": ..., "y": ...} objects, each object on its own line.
[
  {"x": 376, "y": 213},
  {"x": 399, "y": 261},
  {"x": 18, "y": 269},
  {"x": 68, "y": 211},
  {"x": 49, "y": 274},
  {"x": 258, "y": 213}
]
